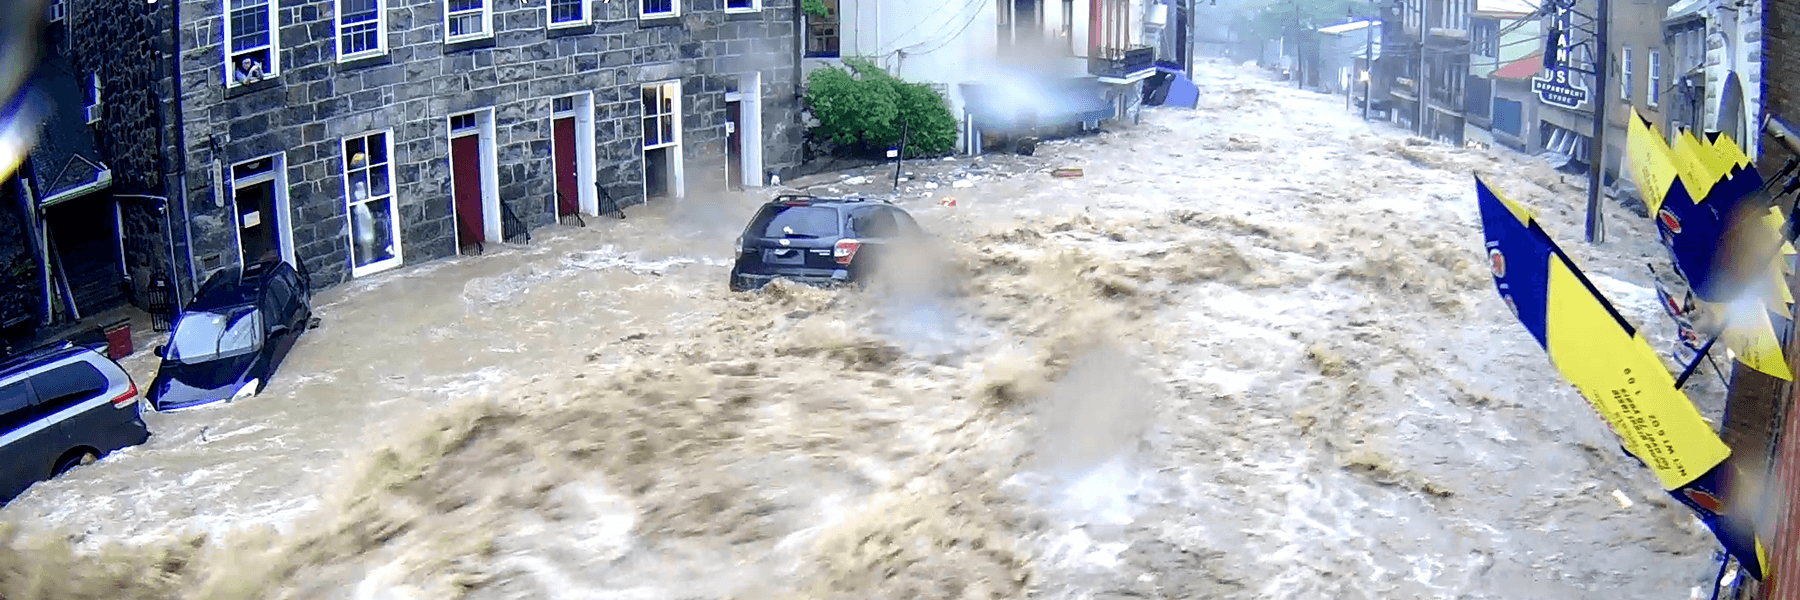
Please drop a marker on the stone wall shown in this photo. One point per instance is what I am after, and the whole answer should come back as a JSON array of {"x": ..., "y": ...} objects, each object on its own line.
[
  {"x": 316, "y": 101},
  {"x": 125, "y": 43}
]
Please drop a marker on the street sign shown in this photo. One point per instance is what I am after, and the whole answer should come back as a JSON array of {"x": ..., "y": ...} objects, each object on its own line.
[{"x": 1557, "y": 84}]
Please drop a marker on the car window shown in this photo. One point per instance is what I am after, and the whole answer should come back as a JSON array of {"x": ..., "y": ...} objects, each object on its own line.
[
  {"x": 281, "y": 297},
  {"x": 201, "y": 336},
  {"x": 68, "y": 385},
  {"x": 877, "y": 223},
  {"x": 15, "y": 405},
  {"x": 779, "y": 221}
]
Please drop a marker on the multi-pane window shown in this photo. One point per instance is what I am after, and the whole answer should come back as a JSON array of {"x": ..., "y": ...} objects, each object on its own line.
[
  {"x": 822, "y": 31},
  {"x": 250, "y": 52},
  {"x": 659, "y": 8},
  {"x": 1654, "y": 94},
  {"x": 359, "y": 28},
  {"x": 369, "y": 198},
  {"x": 467, "y": 19},
  {"x": 1625, "y": 74},
  {"x": 57, "y": 9},
  {"x": 94, "y": 102},
  {"x": 659, "y": 115},
  {"x": 743, "y": 5},
  {"x": 568, "y": 12}
]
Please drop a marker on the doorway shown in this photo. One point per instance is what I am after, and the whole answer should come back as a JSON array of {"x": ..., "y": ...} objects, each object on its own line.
[
  {"x": 474, "y": 180},
  {"x": 743, "y": 130},
  {"x": 662, "y": 140},
  {"x": 84, "y": 235},
  {"x": 260, "y": 204},
  {"x": 734, "y": 146},
  {"x": 572, "y": 154}
]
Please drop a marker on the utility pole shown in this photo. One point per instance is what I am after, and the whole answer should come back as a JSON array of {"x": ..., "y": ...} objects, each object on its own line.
[
  {"x": 1368, "y": 73},
  {"x": 1422, "y": 89},
  {"x": 1596, "y": 227}
]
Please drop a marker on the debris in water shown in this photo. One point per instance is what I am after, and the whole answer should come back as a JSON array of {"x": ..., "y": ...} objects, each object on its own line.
[
  {"x": 1624, "y": 501},
  {"x": 1067, "y": 172}
]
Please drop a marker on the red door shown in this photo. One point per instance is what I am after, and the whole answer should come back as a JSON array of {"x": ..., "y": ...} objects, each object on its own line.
[
  {"x": 734, "y": 146},
  {"x": 465, "y": 184},
  {"x": 568, "y": 194}
]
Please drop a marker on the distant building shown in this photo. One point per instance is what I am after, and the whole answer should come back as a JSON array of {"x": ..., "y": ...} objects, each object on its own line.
[{"x": 1505, "y": 53}]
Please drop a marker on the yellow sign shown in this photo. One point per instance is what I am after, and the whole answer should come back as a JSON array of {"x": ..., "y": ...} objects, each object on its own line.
[
  {"x": 1695, "y": 171},
  {"x": 1652, "y": 167},
  {"x": 1752, "y": 338},
  {"x": 1729, "y": 149},
  {"x": 1625, "y": 381}
]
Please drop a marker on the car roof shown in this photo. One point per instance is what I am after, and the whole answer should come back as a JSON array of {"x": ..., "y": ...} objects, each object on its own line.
[
  {"x": 234, "y": 287},
  {"x": 832, "y": 201},
  {"x": 40, "y": 356}
]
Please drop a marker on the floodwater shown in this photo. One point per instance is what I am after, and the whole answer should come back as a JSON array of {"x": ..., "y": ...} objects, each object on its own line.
[{"x": 1254, "y": 352}]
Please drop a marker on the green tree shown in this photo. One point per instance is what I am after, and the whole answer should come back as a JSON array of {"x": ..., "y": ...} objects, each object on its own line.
[{"x": 865, "y": 110}]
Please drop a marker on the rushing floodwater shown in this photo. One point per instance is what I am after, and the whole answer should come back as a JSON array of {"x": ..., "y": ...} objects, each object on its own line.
[{"x": 1252, "y": 353}]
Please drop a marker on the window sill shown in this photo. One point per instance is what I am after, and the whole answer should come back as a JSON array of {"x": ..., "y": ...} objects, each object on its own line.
[
  {"x": 569, "y": 25},
  {"x": 468, "y": 43},
  {"x": 659, "y": 20},
  {"x": 359, "y": 61},
  {"x": 239, "y": 89},
  {"x": 743, "y": 11}
]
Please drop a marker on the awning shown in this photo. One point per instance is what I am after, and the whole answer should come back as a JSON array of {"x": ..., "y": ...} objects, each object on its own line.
[
  {"x": 1684, "y": 8},
  {"x": 66, "y": 161},
  {"x": 1007, "y": 103},
  {"x": 1524, "y": 68},
  {"x": 1347, "y": 27}
]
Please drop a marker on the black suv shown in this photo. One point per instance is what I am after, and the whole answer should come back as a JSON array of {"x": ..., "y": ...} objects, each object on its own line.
[
  {"x": 232, "y": 336},
  {"x": 818, "y": 240},
  {"x": 62, "y": 406}
]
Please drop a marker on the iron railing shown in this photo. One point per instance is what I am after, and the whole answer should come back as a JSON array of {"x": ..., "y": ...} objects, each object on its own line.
[{"x": 511, "y": 226}]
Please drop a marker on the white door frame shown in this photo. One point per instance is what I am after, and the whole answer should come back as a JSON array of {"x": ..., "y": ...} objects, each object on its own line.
[
  {"x": 587, "y": 198},
  {"x": 284, "y": 234},
  {"x": 490, "y": 172},
  {"x": 677, "y": 170},
  {"x": 750, "y": 152},
  {"x": 393, "y": 202}
]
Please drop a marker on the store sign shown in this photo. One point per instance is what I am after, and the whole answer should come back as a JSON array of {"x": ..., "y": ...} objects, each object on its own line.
[{"x": 1557, "y": 85}]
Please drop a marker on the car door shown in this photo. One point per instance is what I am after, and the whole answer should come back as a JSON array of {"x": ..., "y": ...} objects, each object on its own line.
[
  {"x": 281, "y": 321},
  {"x": 23, "y": 443}
]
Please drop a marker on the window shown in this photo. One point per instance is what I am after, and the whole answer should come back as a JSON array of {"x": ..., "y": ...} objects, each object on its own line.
[
  {"x": 462, "y": 122},
  {"x": 654, "y": 9},
  {"x": 1625, "y": 74},
  {"x": 742, "y": 5},
  {"x": 369, "y": 200},
  {"x": 203, "y": 336},
  {"x": 1484, "y": 36},
  {"x": 467, "y": 19},
  {"x": 822, "y": 32},
  {"x": 250, "y": 50},
  {"x": 361, "y": 29},
  {"x": 568, "y": 13},
  {"x": 1507, "y": 115},
  {"x": 15, "y": 406},
  {"x": 1654, "y": 94},
  {"x": 94, "y": 106},
  {"x": 798, "y": 222},
  {"x": 68, "y": 385},
  {"x": 57, "y": 10},
  {"x": 660, "y": 120}
]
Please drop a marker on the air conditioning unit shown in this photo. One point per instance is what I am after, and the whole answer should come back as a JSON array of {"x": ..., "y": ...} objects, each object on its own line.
[
  {"x": 93, "y": 113},
  {"x": 1159, "y": 16}
]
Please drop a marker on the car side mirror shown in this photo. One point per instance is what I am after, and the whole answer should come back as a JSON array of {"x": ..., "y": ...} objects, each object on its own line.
[{"x": 160, "y": 350}]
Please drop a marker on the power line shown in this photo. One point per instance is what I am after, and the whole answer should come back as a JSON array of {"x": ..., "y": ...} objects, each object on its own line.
[
  {"x": 972, "y": 18},
  {"x": 922, "y": 21}
]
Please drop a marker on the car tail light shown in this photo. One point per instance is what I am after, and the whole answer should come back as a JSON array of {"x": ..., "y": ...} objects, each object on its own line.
[
  {"x": 127, "y": 399},
  {"x": 845, "y": 250}
]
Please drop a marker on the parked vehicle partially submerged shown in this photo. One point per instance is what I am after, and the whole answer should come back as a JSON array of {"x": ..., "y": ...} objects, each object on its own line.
[
  {"x": 62, "y": 407},
  {"x": 819, "y": 240},
  {"x": 229, "y": 340}
]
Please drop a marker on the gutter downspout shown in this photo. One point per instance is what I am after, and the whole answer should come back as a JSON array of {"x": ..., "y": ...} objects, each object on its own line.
[{"x": 181, "y": 156}]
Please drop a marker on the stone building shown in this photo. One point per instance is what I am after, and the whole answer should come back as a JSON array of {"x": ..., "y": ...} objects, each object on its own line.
[{"x": 353, "y": 136}]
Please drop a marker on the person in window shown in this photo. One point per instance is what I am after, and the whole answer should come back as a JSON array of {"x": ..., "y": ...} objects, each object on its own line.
[{"x": 249, "y": 69}]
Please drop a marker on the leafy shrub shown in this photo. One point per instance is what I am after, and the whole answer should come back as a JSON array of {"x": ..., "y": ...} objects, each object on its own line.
[{"x": 863, "y": 109}]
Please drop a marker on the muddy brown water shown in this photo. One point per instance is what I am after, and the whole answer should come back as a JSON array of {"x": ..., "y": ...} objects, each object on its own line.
[{"x": 1251, "y": 353}]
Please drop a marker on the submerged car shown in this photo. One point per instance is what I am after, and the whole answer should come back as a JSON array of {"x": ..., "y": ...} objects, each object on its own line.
[
  {"x": 231, "y": 337},
  {"x": 818, "y": 240},
  {"x": 62, "y": 407}
]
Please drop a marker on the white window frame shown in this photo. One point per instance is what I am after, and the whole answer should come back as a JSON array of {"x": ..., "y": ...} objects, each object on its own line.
[
  {"x": 273, "y": 69},
  {"x": 1654, "y": 95},
  {"x": 96, "y": 108},
  {"x": 674, "y": 11},
  {"x": 755, "y": 6},
  {"x": 1625, "y": 74},
  {"x": 381, "y": 44},
  {"x": 284, "y": 210},
  {"x": 350, "y": 202},
  {"x": 674, "y": 115},
  {"x": 57, "y": 10},
  {"x": 587, "y": 15},
  {"x": 487, "y": 23},
  {"x": 677, "y": 167}
]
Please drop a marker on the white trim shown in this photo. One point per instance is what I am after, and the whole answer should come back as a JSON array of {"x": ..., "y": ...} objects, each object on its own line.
[
  {"x": 1625, "y": 73},
  {"x": 277, "y": 177},
  {"x": 119, "y": 229},
  {"x": 587, "y": 199},
  {"x": 100, "y": 182},
  {"x": 487, "y": 23},
  {"x": 674, "y": 11},
  {"x": 337, "y": 40},
  {"x": 392, "y": 198},
  {"x": 677, "y": 170},
  {"x": 1653, "y": 96},
  {"x": 587, "y": 16},
  {"x": 273, "y": 69},
  {"x": 96, "y": 108},
  {"x": 490, "y": 173},
  {"x": 755, "y": 6}
]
